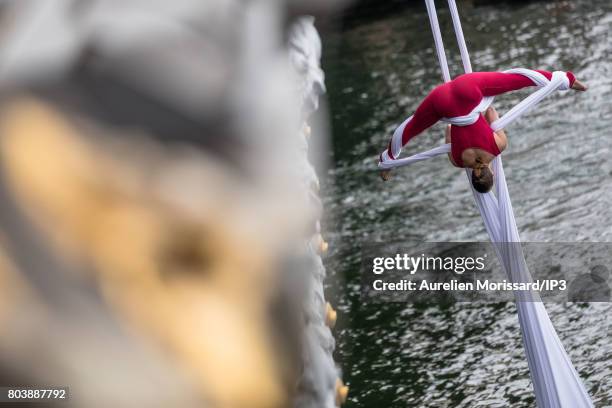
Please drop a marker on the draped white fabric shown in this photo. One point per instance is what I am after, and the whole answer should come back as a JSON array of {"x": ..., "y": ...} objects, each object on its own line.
[
  {"x": 436, "y": 151},
  {"x": 555, "y": 381}
]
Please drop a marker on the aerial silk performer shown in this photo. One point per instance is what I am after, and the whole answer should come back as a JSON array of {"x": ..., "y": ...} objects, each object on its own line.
[
  {"x": 473, "y": 145},
  {"x": 476, "y": 143}
]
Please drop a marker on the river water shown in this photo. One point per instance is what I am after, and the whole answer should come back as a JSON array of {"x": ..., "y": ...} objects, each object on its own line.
[{"x": 559, "y": 174}]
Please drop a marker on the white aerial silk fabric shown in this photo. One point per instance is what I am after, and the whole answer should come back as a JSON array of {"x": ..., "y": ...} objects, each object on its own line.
[{"x": 555, "y": 381}]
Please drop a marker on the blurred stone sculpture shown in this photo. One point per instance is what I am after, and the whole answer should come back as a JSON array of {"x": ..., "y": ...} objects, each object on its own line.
[
  {"x": 156, "y": 232},
  {"x": 320, "y": 385}
]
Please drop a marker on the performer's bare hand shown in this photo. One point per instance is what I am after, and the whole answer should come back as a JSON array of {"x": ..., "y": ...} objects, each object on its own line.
[
  {"x": 385, "y": 175},
  {"x": 491, "y": 114},
  {"x": 579, "y": 86}
]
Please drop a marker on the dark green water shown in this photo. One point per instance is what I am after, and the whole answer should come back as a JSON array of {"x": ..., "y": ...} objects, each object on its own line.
[{"x": 560, "y": 179}]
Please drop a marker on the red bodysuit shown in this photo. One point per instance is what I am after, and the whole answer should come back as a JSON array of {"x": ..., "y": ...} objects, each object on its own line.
[{"x": 459, "y": 97}]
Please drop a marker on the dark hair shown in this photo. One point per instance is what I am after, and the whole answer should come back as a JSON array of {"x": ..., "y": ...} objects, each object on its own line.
[{"x": 482, "y": 179}]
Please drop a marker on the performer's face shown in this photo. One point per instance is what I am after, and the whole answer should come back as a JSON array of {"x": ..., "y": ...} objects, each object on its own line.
[{"x": 482, "y": 178}]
